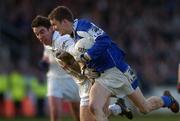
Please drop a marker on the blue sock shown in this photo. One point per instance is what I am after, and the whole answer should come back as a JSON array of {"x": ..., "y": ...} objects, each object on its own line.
[{"x": 167, "y": 101}]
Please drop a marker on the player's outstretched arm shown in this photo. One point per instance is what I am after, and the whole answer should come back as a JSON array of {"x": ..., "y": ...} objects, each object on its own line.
[{"x": 70, "y": 65}]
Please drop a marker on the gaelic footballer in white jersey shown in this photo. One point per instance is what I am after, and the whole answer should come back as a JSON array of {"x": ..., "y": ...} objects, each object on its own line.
[
  {"x": 60, "y": 84},
  {"x": 66, "y": 44}
]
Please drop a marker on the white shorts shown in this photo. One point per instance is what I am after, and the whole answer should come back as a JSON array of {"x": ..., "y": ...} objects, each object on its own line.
[
  {"x": 63, "y": 88},
  {"x": 116, "y": 82}
]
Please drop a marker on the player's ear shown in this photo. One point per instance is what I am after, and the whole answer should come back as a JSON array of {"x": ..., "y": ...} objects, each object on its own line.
[{"x": 64, "y": 21}]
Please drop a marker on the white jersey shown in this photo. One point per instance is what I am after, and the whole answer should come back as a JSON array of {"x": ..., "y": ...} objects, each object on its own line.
[
  {"x": 60, "y": 84},
  {"x": 62, "y": 43},
  {"x": 66, "y": 43},
  {"x": 55, "y": 70}
]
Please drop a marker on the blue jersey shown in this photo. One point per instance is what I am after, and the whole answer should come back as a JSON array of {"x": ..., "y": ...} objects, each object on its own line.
[{"x": 105, "y": 54}]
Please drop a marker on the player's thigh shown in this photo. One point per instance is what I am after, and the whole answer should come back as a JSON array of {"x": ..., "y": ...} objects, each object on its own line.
[
  {"x": 85, "y": 114},
  {"x": 98, "y": 96},
  {"x": 106, "y": 107}
]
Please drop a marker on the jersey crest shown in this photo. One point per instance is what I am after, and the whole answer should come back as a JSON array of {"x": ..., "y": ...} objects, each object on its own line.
[{"x": 95, "y": 31}]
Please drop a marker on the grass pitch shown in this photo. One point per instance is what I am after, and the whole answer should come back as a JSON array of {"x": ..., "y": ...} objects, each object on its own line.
[{"x": 175, "y": 117}]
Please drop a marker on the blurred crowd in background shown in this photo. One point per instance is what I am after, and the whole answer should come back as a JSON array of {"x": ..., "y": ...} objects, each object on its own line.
[{"x": 147, "y": 30}]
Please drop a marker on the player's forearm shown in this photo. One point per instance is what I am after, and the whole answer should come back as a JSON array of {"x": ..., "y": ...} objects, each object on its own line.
[{"x": 72, "y": 68}]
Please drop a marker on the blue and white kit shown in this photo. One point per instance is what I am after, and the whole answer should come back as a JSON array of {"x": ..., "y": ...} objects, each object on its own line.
[{"x": 108, "y": 59}]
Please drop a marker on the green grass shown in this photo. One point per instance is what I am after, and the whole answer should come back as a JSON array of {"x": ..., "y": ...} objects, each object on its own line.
[
  {"x": 150, "y": 118},
  {"x": 118, "y": 118}
]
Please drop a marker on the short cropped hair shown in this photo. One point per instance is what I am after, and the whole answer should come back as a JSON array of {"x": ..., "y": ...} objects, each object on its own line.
[
  {"x": 41, "y": 21},
  {"x": 61, "y": 12}
]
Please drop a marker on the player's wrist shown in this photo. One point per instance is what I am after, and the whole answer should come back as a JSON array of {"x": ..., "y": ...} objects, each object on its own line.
[
  {"x": 85, "y": 57},
  {"x": 91, "y": 73}
]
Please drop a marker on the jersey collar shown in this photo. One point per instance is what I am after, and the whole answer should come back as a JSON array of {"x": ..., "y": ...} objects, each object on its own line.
[
  {"x": 75, "y": 24},
  {"x": 56, "y": 34}
]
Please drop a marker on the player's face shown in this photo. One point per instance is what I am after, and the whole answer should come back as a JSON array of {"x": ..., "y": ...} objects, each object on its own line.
[
  {"x": 43, "y": 34},
  {"x": 63, "y": 27}
]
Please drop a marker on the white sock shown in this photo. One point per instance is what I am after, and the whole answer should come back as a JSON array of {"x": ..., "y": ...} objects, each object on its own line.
[{"x": 115, "y": 109}]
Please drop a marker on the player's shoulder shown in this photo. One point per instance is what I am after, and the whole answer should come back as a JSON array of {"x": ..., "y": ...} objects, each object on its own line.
[
  {"x": 65, "y": 37},
  {"x": 57, "y": 35},
  {"x": 83, "y": 21},
  {"x": 82, "y": 24},
  {"x": 62, "y": 41},
  {"x": 62, "y": 38}
]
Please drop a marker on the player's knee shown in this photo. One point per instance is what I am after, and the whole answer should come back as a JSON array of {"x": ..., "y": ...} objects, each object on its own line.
[
  {"x": 143, "y": 107},
  {"x": 144, "y": 110},
  {"x": 94, "y": 109}
]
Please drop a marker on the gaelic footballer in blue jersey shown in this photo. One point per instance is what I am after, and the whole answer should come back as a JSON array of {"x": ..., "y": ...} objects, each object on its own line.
[
  {"x": 117, "y": 77},
  {"x": 58, "y": 46}
]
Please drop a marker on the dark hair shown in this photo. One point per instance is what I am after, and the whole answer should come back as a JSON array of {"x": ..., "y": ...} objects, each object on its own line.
[
  {"x": 61, "y": 12},
  {"x": 41, "y": 21}
]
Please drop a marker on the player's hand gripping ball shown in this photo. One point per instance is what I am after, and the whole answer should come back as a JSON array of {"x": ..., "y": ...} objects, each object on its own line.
[{"x": 82, "y": 45}]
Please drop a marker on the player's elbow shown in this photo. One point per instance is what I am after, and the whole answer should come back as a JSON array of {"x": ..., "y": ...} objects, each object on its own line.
[{"x": 144, "y": 110}]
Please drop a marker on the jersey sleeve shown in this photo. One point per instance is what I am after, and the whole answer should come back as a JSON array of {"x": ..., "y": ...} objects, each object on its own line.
[
  {"x": 46, "y": 54},
  {"x": 102, "y": 41}
]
